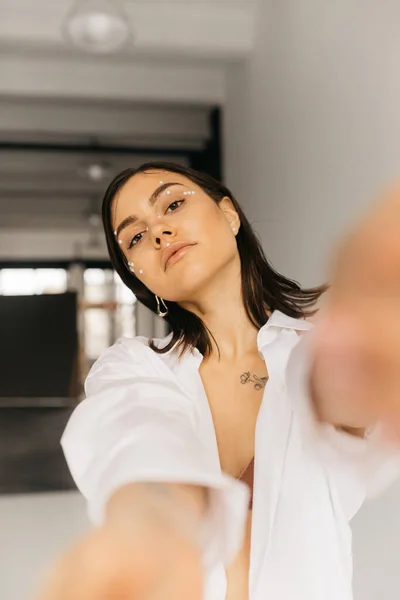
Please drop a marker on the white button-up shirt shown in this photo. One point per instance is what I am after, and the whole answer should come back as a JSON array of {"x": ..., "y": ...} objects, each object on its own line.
[{"x": 146, "y": 418}]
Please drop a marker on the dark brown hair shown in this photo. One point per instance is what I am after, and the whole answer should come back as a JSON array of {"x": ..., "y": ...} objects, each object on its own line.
[{"x": 263, "y": 289}]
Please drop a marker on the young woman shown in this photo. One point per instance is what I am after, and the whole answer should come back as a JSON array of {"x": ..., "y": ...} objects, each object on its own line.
[{"x": 225, "y": 461}]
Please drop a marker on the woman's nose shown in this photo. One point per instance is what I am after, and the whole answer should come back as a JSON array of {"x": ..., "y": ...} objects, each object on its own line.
[
  {"x": 158, "y": 241},
  {"x": 160, "y": 230},
  {"x": 162, "y": 235}
]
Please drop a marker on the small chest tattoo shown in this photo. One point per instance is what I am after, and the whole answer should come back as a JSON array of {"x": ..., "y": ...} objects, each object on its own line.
[{"x": 259, "y": 383}]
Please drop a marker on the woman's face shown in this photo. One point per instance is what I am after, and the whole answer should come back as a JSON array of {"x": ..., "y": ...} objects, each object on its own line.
[{"x": 175, "y": 237}]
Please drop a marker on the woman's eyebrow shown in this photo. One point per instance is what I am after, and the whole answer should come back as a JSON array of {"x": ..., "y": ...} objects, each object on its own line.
[
  {"x": 164, "y": 186},
  {"x": 152, "y": 200}
]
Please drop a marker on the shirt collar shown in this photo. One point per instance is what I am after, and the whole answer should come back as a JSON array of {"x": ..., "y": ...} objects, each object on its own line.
[
  {"x": 268, "y": 332},
  {"x": 278, "y": 320}
]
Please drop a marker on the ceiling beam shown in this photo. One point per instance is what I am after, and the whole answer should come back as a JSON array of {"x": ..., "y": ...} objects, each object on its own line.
[
  {"x": 68, "y": 241},
  {"x": 139, "y": 81},
  {"x": 98, "y": 120}
]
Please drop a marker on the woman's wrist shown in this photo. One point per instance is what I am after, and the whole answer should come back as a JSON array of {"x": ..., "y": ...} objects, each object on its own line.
[{"x": 173, "y": 509}]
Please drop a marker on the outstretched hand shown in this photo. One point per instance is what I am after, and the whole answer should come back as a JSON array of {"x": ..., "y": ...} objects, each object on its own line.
[
  {"x": 110, "y": 565},
  {"x": 356, "y": 375}
]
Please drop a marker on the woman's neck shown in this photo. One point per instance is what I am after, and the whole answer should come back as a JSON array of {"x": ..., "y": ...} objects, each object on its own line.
[
  {"x": 233, "y": 335},
  {"x": 222, "y": 311}
]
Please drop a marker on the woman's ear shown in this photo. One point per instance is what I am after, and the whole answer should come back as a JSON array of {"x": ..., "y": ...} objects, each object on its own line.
[{"x": 227, "y": 207}]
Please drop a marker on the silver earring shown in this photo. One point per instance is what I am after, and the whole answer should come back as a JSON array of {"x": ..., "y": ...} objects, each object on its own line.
[
  {"x": 160, "y": 312},
  {"x": 234, "y": 229}
]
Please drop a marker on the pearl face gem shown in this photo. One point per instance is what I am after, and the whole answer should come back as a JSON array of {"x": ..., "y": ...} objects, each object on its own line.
[
  {"x": 119, "y": 242},
  {"x": 115, "y": 233},
  {"x": 167, "y": 244},
  {"x": 140, "y": 271}
]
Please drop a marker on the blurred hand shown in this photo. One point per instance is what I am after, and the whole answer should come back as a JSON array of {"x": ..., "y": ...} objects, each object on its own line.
[
  {"x": 356, "y": 376},
  {"x": 108, "y": 564}
]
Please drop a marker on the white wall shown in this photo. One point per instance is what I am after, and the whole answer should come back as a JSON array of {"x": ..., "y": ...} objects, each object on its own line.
[
  {"x": 34, "y": 530},
  {"x": 312, "y": 123},
  {"x": 312, "y": 132},
  {"x": 376, "y": 533}
]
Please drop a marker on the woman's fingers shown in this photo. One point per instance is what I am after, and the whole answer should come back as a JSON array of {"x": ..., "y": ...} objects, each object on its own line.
[
  {"x": 99, "y": 565},
  {"x": 345, "y": 373},
  {"x": 182, "y": 580},
  {"x": 357, "y": 368},
  {"x": 107, "y": 565}
]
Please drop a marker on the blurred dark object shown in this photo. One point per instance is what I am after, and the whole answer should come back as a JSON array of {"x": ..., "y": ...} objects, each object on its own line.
[
  {"x": 39, "y": 349},
  {"x": 39, "y": 387},
  {"x": 31, "y": 459}
]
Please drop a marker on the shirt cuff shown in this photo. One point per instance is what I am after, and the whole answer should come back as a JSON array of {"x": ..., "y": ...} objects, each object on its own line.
[{"x": 375, "y": 462}]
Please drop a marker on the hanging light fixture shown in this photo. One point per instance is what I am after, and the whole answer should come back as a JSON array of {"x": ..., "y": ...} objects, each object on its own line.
[
  {"x": 95, "y": 171},
  {"x": 97, "y": 26}
]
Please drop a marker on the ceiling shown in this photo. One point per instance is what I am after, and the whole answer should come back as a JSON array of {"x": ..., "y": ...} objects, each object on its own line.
[
  {"x": 56, "y": 157},
  {"x": 178, "y": 51},
  {"x": 62, "y": 110}
]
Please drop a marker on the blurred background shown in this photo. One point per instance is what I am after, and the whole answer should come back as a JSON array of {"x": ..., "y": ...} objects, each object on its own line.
[{"x": 295, "y": 105}]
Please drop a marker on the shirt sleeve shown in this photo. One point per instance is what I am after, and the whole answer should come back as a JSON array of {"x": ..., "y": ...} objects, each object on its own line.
[
  {"x": 137, "y": 425},
  {"x": 361, "y": 467}
]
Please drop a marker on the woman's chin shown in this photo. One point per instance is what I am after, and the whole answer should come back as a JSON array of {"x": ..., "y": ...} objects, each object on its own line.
[{"x": 185, "y": 292}]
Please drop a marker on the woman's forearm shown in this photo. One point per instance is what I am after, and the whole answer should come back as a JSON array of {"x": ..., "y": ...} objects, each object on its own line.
[{"x": 176, "y": 508}]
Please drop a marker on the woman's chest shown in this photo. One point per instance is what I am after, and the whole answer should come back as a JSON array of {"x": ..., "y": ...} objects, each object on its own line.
[{"x": 234, "y": 394}]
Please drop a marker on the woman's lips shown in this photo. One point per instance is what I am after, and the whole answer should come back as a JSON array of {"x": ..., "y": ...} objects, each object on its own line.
[{"x": 177, "y": 254}]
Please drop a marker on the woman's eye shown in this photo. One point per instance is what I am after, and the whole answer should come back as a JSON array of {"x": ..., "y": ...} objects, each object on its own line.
[
  {"x": 174, "y": 205},
  {"x": 135, "y": 240},
  {"x": 138, "y": 237}
]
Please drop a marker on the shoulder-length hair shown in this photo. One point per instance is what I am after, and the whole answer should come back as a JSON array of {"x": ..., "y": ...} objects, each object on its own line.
[{"x": 264, "y": 289}]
